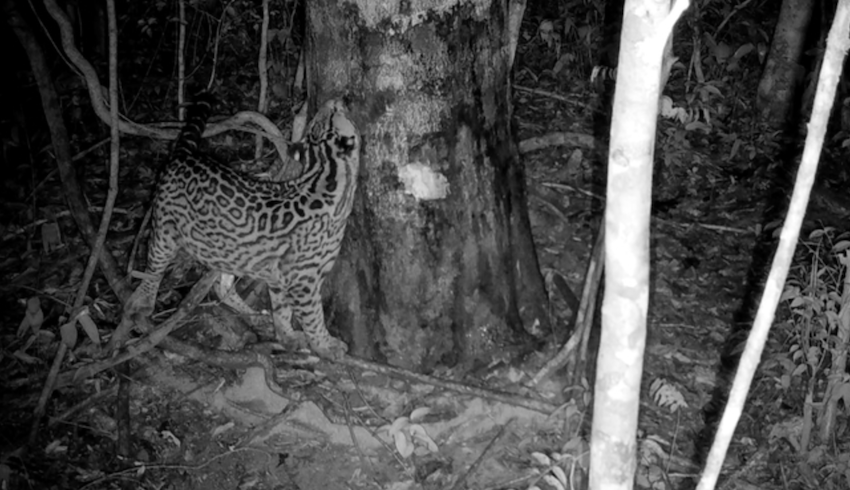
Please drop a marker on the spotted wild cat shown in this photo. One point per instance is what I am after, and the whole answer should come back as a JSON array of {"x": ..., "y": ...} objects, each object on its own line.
[{"x": 287, "y": 234}]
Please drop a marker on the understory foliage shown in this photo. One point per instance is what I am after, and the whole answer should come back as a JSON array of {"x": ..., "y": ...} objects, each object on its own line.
[
  {"x": 813, "y": 297},
  {"x": 706, "y": 125},
  {"x": 710, "y": 142},
  {"x": 222, "y": 35},
  {"x": 709, "y": 147},
  {"x": 809, "y": 367}
]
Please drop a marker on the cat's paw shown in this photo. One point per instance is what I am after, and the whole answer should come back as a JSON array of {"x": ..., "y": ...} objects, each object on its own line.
[
  {"x": 293, "y": 341},
  {"x": 332, "y": 349}
]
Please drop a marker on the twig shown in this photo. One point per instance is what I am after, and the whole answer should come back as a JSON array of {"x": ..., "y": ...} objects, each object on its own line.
[
  {"x": 718, "y": 228},
  {"x": 217, "y": 41},
  {"x": 460, "y": 481},
  {"x": 534, "y": 193},
  {"x": 131, "y": 261},
  {"x": 114, "y": 152},
  {"x": 565, "y": 138},
  {"x": 75, "y": 158},
  {"x": 159, "y": 336},
  {"x": 198, "y": 291},
  {"x": 568, "y": 187},
  {"x": 263, "y": 69},
  {"x": 46, "y": 391},
  {"x": 500, "y": 396},
  {"x": 365, "y": 462},
  {"x": 79, "y": 156},
  {"x": 97, "y": 398},
  {"x": 707, "y": 226},
  {"x": 584, "y": 318},
  {"x": 550, "y": 95},
  {"x": 181, "y": 59},
  {"x": 729, "y": 16},
  {"x": 587, "y": 309},
  {"x": 122, "y": 409},
  {"x": 41, "y": 293},
  {"x": 266, "y": 426},
  {"x": 183, "y": 467},
  {"x": 61, "y": 214},
  {"x": 226, "y": 360}
]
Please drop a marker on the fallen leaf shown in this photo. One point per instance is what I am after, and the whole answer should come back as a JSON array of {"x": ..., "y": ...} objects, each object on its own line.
[
  {"x": 89, "y": 326},
  {"x": 33, "y": 318},
  {"x": 69, "y": 333}
]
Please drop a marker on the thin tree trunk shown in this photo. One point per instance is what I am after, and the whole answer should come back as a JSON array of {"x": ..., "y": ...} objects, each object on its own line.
[
  {"x": 61, "y": 144},
  {"x": 778, "y": 84},
  {"x": 641, "y": 72},
  {"x": 438, "y": 264},
  {"x": 836, "y": 51}
]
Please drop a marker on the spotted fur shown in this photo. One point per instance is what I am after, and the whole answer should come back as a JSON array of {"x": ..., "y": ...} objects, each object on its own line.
[{"x": 287, "y": 234}]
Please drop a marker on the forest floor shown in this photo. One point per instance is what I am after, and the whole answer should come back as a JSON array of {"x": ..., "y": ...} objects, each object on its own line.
[{"x": 197, "y": 427}]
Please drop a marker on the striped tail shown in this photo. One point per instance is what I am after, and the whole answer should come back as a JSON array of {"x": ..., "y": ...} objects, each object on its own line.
[{"x": 196, "y": 119}]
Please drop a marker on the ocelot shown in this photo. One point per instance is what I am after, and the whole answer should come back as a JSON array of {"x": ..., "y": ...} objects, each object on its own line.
[{"x": 287, "y": 234}]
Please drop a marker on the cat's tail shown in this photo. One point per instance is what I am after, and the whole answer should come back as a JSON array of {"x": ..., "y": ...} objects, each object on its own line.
[{"x": 197, "y": 115}]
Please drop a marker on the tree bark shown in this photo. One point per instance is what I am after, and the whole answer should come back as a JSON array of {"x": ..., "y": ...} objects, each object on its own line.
[
  {"x": 778, "y": 84},
  {"x": 642, "y": 70},
  {"x": 438, "y": 265}
]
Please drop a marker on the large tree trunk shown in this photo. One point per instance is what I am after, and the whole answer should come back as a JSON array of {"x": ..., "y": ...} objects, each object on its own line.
[
  {"x": 438, "y": 263},
  {"x": 779, "y": 81}
]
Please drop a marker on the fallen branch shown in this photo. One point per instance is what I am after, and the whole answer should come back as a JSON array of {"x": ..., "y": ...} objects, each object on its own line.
[
  {"x": 154, "y": 337},
  {"x": 61, "y": 214},
  {"x": 551, "y": 95},
  {"x": 499, "y": 396},
  {"x": 561, "y": 139},
  {"x": 159, "y": 336},
  {"x": 461, "y": 482},
  {"x": 707, "y": 226},
  {"x": 584, "y": 317}
]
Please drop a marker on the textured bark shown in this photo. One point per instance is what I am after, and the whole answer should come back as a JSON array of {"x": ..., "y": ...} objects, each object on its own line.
[
  {"x": 642, "y": 70},
  {"x": 778, "y": 84},
  {"x": 451, "y": 276}
]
